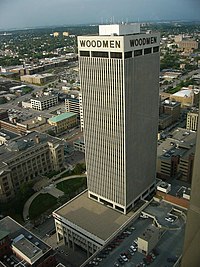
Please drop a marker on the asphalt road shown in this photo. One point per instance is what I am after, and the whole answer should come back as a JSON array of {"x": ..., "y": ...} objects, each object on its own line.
[{"x": 44, "y": 228}]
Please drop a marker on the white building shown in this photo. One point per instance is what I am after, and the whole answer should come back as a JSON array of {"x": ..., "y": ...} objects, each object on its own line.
[{"x": 45, "y": 102}]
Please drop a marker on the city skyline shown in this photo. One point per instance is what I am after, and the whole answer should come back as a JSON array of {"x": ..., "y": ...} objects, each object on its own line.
[{"x": 27, "y": 14}]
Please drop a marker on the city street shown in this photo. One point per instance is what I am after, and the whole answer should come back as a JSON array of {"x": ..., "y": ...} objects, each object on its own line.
[{"x": 177, "y": 81}]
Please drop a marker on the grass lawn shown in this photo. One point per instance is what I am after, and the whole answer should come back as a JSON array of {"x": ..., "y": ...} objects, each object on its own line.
[
  {"x": 72, "y": 185},
  {"x": 40, "y": 204}
]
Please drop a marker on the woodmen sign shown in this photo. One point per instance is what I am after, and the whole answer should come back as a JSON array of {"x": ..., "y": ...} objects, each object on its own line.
[
  {"x": 100, "y": 43},
  {"x": 143, "y": 41}
]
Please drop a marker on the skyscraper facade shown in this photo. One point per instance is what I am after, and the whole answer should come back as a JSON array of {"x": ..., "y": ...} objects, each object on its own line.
[
  {"x": 191, "y": 255},
  {"x": 119, "y": 75}
]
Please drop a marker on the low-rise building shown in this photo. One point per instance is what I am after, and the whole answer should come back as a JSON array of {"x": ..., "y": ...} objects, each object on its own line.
[
  {"x": 63, "y": 121},
  {"x": 149, "y": 239},
  {"x": 79, "y": 145},
  {"x": 169, "y": 113},
  {"x": 39, "y": 124},
  {"x": 38, "y": 78},
  {"x": 25, "y": 159},
  {"x": 192, "y": 120},
  {"x": 44, "y": 102},
  {"x": 188, "y": 45},
  {"x": 175, "y": 155},
  {"x": 19, "y": 247},
  {"x": 187, "y": 96},
  {"x": 87, "y": 224}
]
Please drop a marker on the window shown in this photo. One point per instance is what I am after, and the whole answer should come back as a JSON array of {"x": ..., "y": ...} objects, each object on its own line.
[
  {"x": 84, "y": 53},
  {"x": 128, "y": 54},
  {"x": 115, "y": 55},
  {"x": 137, "y": 52},
  {"x": 147, "y": 51},
  {"x": 99, "y": 54},
  {"x": 155, "y": 49}
]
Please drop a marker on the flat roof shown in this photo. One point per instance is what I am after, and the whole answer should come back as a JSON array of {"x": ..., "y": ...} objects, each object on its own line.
[
  {"x": 26, "y": 247},
  {"x": 24, "y": 240},
  {"x": 94, "y": 217},
  {"x": 62, "y": 116},
  {"x": 41, "y": 98},
  {"x": 185, "y": 92},
  {"x": 182, "y": 142},
  {"x": 3, "y": 233},
  {"x": 20, "y": 144}
]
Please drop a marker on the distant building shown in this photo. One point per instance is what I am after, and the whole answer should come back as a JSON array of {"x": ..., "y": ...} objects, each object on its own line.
[
  {"x": 178, "y": 38},
  {"x": 25, "y": 158},
  {"x": 188, "y": 45},
  {"x": 19, "y": 247},
  {"x": 38, "y": 78},
  {"x": 63, "y": 121},
  {"x": 187, "y": 96},
  {"x": 45, "y": 102},
  {"x": 56, "y": 34},
  {"x": 192, "y": 120},
  {"x": 175, "y": 155},
  {"x": 66, "y": 34}
]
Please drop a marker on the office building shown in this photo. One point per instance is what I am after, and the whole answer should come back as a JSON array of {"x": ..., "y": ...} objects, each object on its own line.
[
  {"x": 119, "y": 76},
  {"x": 72, "y": 105},
  {"x": 119, "y": 73},
  {"x": 85, "y": 223},
  {"x": 169, "y": 112},
  {"x": 44, "y": 102},
  {"x": 192, "y": 120},
  {"x": 25, "y": 159},
  {"x": 175, "y": 155},
  {"x": 191, "y": 255},
  {"x": 63, "y": 121}
]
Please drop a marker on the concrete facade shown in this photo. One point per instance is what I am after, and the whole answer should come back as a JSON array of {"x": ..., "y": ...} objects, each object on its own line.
[
  {"x": 119, "y": 75},
  {"x": 191, "y": 255},
  {"x": 25, "y": 158},
  {"x": 44, "y": 102},
  {"x": 192, "y": 120},
  {"x": 63, "y": 121},
  {"x": 175, "y": 156}
]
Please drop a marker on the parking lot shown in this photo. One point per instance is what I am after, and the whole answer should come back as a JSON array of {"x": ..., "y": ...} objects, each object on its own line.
[{"x": 122, "y": 251}]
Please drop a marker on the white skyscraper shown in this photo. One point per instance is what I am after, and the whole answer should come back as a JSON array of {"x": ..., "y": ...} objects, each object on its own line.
[{"x": 119, "y": 74}]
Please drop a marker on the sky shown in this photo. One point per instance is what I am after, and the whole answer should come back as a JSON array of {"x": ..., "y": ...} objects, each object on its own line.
[{"x": 34, "y": 13}]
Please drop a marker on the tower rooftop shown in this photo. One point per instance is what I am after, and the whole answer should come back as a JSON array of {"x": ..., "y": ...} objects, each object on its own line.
[{"x": 119, "y": 29}]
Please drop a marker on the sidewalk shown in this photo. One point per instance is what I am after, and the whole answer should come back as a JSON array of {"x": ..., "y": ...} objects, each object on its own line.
[{"x": 43, "y": 191}]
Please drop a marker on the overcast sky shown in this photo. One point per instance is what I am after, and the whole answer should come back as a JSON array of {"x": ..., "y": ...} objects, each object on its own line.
[{"x": 30, "y": 13}]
